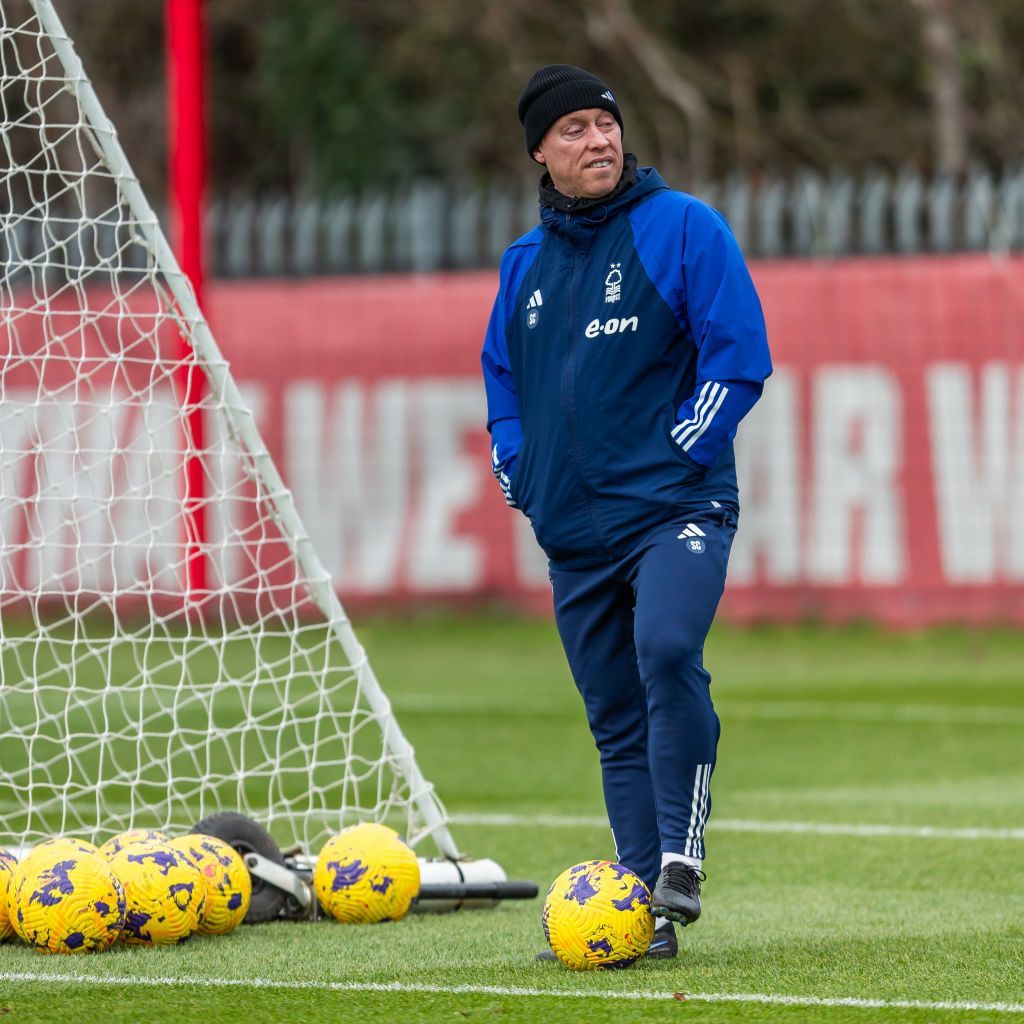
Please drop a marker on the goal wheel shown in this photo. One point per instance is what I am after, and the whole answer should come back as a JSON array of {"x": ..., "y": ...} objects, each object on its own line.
[{"x": 247, "y": 836}]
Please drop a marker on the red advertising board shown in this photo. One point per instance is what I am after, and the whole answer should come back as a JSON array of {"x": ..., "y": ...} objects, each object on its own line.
[{"x": 881, "y": 475}]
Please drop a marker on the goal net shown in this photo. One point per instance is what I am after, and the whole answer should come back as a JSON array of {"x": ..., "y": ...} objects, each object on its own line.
[{"x": 128, "y": 697}]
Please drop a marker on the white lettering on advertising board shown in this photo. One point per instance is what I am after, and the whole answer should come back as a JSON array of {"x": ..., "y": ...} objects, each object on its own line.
[{"x": 976, "y": 422}]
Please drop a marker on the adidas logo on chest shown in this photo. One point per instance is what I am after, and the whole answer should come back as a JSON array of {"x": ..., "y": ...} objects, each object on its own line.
[{"x": 533, "y": 309}]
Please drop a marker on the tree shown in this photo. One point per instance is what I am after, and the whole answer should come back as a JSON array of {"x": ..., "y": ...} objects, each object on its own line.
[
  {"x": 311, "y": 97},
  {"x": 940, "y": 48}
]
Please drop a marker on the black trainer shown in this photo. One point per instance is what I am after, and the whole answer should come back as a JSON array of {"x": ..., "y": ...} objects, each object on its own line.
[
  {"x": 677, "y": 893},
  {"x": 664, "y": 945}
]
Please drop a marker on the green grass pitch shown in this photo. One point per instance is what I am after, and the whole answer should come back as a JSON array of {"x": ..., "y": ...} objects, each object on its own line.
[{"x": 843, "y": 727}]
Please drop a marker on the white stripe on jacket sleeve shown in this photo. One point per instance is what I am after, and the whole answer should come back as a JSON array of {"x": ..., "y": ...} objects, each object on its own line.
[
  {"x": 707, "y": 394},
  {"x": 687, "y": 433}
]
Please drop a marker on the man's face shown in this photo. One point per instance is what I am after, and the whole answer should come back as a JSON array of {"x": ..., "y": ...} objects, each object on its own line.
[{"x": 583, "y": 153}]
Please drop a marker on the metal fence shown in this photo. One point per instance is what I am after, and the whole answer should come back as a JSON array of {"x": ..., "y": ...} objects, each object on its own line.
[{"x": 430, "y": 226}]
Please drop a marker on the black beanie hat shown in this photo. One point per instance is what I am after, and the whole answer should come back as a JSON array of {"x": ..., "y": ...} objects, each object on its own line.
[{"x": 556, "y": 90}]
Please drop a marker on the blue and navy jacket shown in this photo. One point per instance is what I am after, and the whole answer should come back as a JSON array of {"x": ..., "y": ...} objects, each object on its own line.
[{"x": 625, "y": 345}]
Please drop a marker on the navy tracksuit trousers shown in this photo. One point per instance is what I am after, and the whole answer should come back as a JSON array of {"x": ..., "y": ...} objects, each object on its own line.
[{"x": 633, "y": 632}]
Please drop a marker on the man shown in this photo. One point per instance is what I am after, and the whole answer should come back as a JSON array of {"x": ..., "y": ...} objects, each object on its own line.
[{"x": 625, "y": 345}]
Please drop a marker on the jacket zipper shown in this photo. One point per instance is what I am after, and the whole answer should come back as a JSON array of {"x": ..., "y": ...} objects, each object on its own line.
[{"x": 569, "y": 399}]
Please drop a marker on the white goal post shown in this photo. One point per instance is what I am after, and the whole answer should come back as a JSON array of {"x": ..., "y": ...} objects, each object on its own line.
[{"x": 124, "y": 699}]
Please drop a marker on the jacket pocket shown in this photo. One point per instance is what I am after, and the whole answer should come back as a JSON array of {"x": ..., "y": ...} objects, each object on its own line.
[
  {"x": 693, "y": 472},
  {"x": 511, "y": 488},
  {"x": 516, "y": 479}
]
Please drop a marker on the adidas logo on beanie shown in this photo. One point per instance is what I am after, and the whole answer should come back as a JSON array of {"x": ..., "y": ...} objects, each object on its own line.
[{"x": 556, "y": 90}]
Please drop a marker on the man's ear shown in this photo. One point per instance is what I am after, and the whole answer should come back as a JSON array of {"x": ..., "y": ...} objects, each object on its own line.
[{"x": 539, "y": 156}]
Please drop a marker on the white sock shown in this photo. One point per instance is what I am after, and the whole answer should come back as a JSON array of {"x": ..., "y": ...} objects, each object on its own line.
[{"x": 690, "y": 862}]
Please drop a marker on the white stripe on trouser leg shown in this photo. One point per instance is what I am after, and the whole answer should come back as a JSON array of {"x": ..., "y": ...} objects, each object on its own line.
[
  {"x": 696, "y": 829},
  {"x": 702, "y": 812},
  {"x": 695, "y": 835},
  {"x": 704, "y": 807},
  {"x": 693, "y": 810}
]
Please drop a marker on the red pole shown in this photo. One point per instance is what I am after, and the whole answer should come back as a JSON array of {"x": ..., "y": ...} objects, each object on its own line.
[{"x": 186, "y": 146}]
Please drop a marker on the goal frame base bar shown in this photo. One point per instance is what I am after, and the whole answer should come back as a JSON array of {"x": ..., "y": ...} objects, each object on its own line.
[{"x": 446, "y": 885}]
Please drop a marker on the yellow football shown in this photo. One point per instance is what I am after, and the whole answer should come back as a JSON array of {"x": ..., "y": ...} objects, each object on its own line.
[
  {"x": 227, "y": 880},
  {"x": 164, "y": 892},
  {"x": 7, "y": 864},
  {"x": 65, "y": 900},
  {"x": 598, "y": 914},
  {"x": 365, "y": 874},
  {"x": 65, "y": 844},
  {"x": 115, "y": 844}
]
